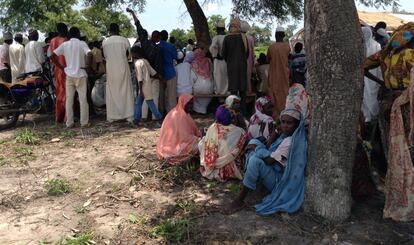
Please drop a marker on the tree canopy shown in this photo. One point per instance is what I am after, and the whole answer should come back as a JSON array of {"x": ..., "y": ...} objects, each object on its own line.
[
  {"x": 97, "y": 14},
  {"x": 92, "y": 19}
]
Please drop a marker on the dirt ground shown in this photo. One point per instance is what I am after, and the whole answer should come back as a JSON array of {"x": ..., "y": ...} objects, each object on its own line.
[{"x": 121, "y": 194}]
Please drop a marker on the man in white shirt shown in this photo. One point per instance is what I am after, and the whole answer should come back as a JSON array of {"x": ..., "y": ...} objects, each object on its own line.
[
  {"x": 5, "y": 74},
  {"x": 17, "y": 57},
  {"x": 35, "y": 56},
  {"x": 74, "y": 52}
]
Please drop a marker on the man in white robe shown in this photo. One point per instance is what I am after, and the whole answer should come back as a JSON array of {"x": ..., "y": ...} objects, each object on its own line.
[
  {"x": 119, "y": 91},
  {"x": 370, "y": 104},
  {"x": 220, "y": 67}
]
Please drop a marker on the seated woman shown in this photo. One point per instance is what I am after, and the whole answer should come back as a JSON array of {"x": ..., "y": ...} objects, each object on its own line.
[
  {"x": 233, "y": 104},
  {"x": 179, "y": 134},
  {"x": 280, "y": 168},
  {"x": 221, "y": 148},
  {"x": 261, "y": 124},
  {"x": 203, "y": 84}
]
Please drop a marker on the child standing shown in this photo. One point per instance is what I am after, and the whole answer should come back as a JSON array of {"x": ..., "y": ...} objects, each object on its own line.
[{"x": 145, "y": 90}]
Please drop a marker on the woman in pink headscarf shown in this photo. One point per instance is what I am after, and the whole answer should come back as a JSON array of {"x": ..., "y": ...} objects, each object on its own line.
[
  {"x": 179, "y": 135},
  {"x": 203, "y": 85},
  {"x": 262, "y": 125}
]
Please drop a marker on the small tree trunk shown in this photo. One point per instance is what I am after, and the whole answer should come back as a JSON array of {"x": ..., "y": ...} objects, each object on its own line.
[
  {"x": 334, "y": 58},
  {"x": 199, "y": 22}
]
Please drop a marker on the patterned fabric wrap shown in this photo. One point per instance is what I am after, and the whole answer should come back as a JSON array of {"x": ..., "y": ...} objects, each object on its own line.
[
  {"x": 201, "y": 64},
  {"x": 401, "y": 37},
  {"x": 395, "y": 59},
  {"x": 292, "y": 113},
  {"x": 399, "y": 182},
  {"x": 260, "y": 124},
  {"x": 298, "y": 99},
  {"x": 220, "y": 151}
]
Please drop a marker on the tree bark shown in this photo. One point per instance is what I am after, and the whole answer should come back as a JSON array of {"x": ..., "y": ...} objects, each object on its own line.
[
  {"x": 334, "y": 58},
  {"x": 200, "y": 23}
]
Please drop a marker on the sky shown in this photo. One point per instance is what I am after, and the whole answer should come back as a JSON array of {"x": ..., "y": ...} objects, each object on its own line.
[{"x": 171, "y": 14}]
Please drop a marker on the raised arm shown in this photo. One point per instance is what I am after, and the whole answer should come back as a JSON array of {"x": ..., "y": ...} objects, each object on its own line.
[{"x": 136, "y": 20}]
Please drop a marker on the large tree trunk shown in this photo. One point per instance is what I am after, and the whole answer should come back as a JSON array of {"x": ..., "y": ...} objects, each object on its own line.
[
  {"x": 334, "y": 58},
  {"x": 199, "y": 22}
]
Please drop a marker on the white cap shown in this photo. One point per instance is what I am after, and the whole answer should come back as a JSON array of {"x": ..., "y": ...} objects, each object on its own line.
[
  {"x": 180, "y": 55},
  {"x": 221, "y": 24},
  {"x": 382, "y": 32},
  {"x": 245, "y": 27},
  {"x": 280, "y": 29}
]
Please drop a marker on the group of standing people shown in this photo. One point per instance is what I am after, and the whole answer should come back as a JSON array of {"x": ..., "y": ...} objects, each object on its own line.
[
  {"x": 73, "y": 64},
  {"x": 16, "y": 58}
]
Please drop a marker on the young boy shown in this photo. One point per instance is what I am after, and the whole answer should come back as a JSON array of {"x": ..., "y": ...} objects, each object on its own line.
[
  {"x": 266, "y": 166},
  {"x": 145, "y": 90},
  {"x": 298, "y": 62}
]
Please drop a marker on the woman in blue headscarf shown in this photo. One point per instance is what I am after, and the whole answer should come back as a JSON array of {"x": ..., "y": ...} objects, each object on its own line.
[
  {"x": 221, "y": 149},
  {"x": 279, "y": 167}
]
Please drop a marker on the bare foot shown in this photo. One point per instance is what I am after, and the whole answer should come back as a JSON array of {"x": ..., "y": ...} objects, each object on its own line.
[{"x": 234, "y": 207}]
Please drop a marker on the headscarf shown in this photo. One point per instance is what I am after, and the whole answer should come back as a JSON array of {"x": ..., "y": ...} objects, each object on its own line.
[
  {"x": 298, "y": 99},
  {"x": 201, "y": 64},
  {"x": 292, "y": 113},
  {"x": 235, "y": 26},
  {"x": 230, "y": 100},
  {"x": 260, "y": 103},
  {"x": 189, "y": 56},
  {"x": 179, "y": 134},
  {"x": 401, "y": 37},
  {"x": 260, "y": 124},
  {"x": 244, "y": 26},
  {"x": 223, "y": 116}
]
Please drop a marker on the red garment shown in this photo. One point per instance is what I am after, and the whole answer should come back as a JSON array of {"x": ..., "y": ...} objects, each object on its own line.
[{"x": 60, "y": 81}]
